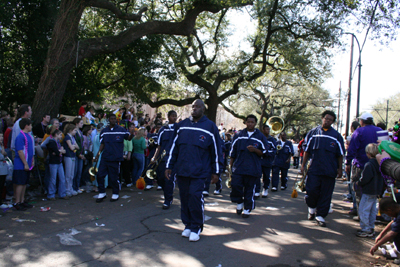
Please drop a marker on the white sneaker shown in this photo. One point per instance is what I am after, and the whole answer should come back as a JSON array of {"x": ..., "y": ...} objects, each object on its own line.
[
  {"x": 205, "y": 193},
  {"x": 114, "y": 196},
  {"x": 265, "y": 193},
  {"x": 159, "y": 188},
  {"x": 148, "y": 187},
  {"x": 80, "y": 191},
  {"x": 274, "y": 189},
  {"x": 246, "y": 214},
  {"x": 257, "y": 195},
  {"x": 129, "y": 185},
  {"x": 217, "y": 192},
  {"x": 194, "y": 236},
  {"x": 239, "y": 208},
  {"x": 3, "y": 206},
  {"x": 101, "y": 195},
  {"x": 74, "y": 193},
  {"x": 186, "y": 233}
]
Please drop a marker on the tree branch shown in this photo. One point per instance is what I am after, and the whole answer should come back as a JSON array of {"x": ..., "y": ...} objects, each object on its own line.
[{"x": 104, "y": 4}]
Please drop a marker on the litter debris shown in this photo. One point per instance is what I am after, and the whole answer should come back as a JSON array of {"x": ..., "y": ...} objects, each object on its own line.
[
  {"x": 206, "y": 218},
  {"x": 45, "y": 209},
  {"x": 122, "y": 205},
  {"x": 129, "y": 200},
  {"x": 126, "y": 196},
  {"x": 100, "y": 225},
  {"x": 23, "y": 220},
  {"x": 211, "y": 204},
  {"x": 10, "y": 235},
  {"x": 271, "y": 208},
  {"x": 68, "y": 239},
  {"x": 138, "y": 192}
]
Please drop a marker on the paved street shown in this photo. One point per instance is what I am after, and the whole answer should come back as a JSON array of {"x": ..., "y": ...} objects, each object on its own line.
[{"x": 137, "y": 232}]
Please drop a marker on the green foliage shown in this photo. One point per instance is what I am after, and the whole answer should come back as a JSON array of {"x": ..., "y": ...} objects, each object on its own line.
[{"x": 26, "y": 28}]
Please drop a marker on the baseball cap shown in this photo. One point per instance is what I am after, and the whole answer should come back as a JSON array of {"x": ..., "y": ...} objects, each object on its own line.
[{"x": 366, "y": 116}]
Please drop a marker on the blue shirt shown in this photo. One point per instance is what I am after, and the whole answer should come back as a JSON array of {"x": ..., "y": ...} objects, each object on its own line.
[
  {"x": 165, "y": 137},
  {"x": 68, "y": 152},
  {"x": 325, "y": 148},
  {"x": 271, "y": 152},
  {"x": 113, "y": 140},
  {"x": 246, "y": 162},
  {"x": 195, "y": 150},
  {"x": 283, "y": 154},
  {"x": 20, "y": 144},
  {"x": 359, "y": 141}
]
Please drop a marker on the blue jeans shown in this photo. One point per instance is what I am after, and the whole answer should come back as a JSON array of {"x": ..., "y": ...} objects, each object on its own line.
[
  {"x": 54, "y": 170},
  {"x": 78, "y": 174},
  {"x": 367, "y": 211},
  {"x": 138, "y": 166}
]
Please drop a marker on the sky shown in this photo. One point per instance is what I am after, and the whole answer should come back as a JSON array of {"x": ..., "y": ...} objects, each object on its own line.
[{"x": 380, "y": 69}]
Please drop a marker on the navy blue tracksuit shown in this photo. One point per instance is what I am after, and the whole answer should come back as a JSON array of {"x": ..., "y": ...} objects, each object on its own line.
[
  {"x": 246, "y": 168},
  {"x": 280, "y": 163},
  {"x": 113, "y": 154},
  {"x": 218, "y": 185},
  {"x": 165, "y": 136},
  {"x": 325, "y": 148},
  {"x": 195, "y": 155},
  {"x": 266, "y": 164}
]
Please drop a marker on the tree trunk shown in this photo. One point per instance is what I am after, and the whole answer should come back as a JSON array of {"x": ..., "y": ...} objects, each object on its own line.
[
  {"x": 60, "y": 60},
  {"x": 212, "y": 107}
]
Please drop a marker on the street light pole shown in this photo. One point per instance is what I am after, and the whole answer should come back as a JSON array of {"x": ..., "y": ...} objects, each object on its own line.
[{"x": 349, "y": 93}]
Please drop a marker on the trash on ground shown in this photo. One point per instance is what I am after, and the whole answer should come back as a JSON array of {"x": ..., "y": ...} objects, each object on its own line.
[
  {"x": 271, "y": 208},
  {"x": 10, "y": 235},
  {"x": 211, "y": 204},
  {"x": 126, "y": 196},
  {"x": 100, "y": 225},
  {"x": 129, "y": 200},
  {"x": 206, "y": 218},
  {"x": 45, "y": 208},
  {"x": 138, "y": 192},
  {"x": 23, "y": 220},
  {"x": 68, "y": 239},
  {"x": 122, "y": 205}
]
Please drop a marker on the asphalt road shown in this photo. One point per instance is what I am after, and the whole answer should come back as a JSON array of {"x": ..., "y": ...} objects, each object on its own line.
[{"x": 135, "y": 231}]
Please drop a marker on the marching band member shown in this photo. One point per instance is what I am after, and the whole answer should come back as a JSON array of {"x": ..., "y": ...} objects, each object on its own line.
[
  {"x": 282, "y": 162},
  {"x": 248, "y": 146},
  {"x": 112, "y": 145},
  {"x": 165, "y": 136},
  {"x": 325, "y": 148},
  {"x": 195, "y": 155},
  {"x": 267, "y": 160}
]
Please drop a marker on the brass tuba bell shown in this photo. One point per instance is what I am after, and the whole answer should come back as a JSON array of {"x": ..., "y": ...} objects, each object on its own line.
[
  {"x": 92, "y": 172},
  {"x": 276, "y": 124}
]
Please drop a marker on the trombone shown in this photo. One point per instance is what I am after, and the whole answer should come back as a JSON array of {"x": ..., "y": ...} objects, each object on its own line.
[
  {"x": 300, "y": 186},
  {"x": 151, "y": 173}
]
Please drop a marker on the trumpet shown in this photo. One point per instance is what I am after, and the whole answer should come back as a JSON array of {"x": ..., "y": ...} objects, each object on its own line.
[
  {"x": 278, "y": 147},
  {"x": 151, "y": 173},
  {"x": 151, "y": 141}
]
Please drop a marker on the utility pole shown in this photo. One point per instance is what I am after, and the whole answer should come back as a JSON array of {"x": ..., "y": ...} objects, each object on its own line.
[
  {"x": 349, "y": 93},
  {"x": 387, "y": 113},
  {"x": 338, "y": 112}
]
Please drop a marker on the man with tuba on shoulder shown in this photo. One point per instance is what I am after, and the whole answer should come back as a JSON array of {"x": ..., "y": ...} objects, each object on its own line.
[
  {"x": 281, "y": 163},
  {"x": 325, "y": 147}
]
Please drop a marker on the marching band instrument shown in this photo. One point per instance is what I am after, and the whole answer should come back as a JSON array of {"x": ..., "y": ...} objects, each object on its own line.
[
  {"x": 228, "y": 181},
  {"x": 92, "y": 172},
  {"x": 276, "y": 124},
  {"x": 300, "y": 186},
  {"x": 151, "y": 141},
  {"x": 151, "y": 173}
]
